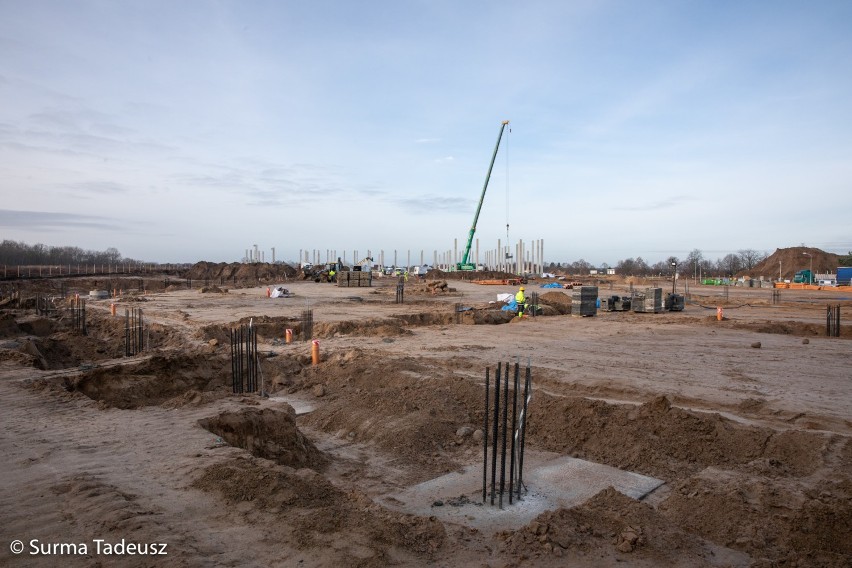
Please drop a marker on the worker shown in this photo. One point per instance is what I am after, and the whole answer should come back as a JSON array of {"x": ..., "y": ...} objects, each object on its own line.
[
  {"x": 331, "y": 274},
  {"x": 521, "y": 301}
]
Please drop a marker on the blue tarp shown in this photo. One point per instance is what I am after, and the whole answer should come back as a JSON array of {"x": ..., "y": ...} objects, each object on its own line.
[
  {"x": 511, "y": 306},
  {"x": 551, "y": 285}
]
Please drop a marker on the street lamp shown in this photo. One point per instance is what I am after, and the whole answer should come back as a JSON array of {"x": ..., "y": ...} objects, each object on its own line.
[
  {"x": 811, "y": 277},
  {"x": 674, "y": 275}
]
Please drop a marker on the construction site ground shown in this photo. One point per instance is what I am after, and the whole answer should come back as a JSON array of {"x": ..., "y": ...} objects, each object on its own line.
[{"x": 742, "y": 425}]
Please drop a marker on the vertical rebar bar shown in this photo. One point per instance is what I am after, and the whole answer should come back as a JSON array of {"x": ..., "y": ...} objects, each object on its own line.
[
  {"x": 496, "y": 430},
  {"x": 514, "y": 423},
  {"x": 233, "y": 368},
  {"x": 485, "y": 439},
  {"x": 504, "y": 420},
  {"x": 527, "y": 388}
]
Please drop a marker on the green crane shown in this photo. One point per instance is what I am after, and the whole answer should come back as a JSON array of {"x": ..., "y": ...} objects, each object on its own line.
[{"x": 465, "y": 263}]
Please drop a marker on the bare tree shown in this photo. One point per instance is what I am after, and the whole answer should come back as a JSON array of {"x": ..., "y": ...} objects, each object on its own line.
[{"x": 749, "y": 258}]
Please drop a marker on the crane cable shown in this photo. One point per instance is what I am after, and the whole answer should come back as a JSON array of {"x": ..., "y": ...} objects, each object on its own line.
[{"x": 507, "y": 186}]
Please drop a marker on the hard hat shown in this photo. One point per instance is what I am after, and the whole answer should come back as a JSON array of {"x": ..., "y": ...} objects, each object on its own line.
[{"x": 522, "y": 288}]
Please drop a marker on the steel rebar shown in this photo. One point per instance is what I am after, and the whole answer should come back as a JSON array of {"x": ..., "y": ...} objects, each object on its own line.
[
  {"x": 527, "y": 393},
  {"x": 485, "y": 439},
  {"x": 504, "y": 421},
  {"x": 496, "y": 430},
  {"x": 514, "y": 422}
]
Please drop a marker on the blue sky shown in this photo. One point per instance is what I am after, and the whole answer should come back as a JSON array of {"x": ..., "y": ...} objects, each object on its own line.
[{"x": 185, "y": 131}]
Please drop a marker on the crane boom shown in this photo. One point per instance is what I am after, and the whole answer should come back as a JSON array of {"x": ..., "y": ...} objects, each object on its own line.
[{"x": 465, "y": 264}]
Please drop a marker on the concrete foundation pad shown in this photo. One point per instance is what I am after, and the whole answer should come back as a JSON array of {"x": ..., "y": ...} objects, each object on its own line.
[
  {"x": 300, "y": 405},
  {"x": 551, "y": 483}
]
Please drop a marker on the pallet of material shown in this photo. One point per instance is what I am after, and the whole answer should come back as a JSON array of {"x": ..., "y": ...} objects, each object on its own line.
[
  {"x": 354, "y": 279},
  {"x": 651, "y": 301},
  {"x": 584, "y": 301}
]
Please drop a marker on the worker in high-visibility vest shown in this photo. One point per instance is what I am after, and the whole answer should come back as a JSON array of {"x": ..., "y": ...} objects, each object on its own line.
[
  {"x": 331, "y": 274},
  {"x": 521, "y": 301}
]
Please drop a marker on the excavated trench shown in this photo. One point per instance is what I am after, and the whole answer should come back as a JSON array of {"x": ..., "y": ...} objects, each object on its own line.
[{"x": 170, "y": 380}]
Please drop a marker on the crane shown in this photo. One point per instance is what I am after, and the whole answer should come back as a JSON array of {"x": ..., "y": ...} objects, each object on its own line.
[{"x": 465, "y": 262}]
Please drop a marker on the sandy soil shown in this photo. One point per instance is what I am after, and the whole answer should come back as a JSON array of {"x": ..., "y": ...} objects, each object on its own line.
[{"x": 746, "y": 420}]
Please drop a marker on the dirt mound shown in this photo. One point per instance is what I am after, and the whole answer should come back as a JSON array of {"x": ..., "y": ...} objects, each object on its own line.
[
  {"x": 791, "y": 261},
  {"x": 155, "y": 380},
  {"x": 609, "y": 523},
  {"x": 560, "y": 301},
  {"x": 473, "y": 316},
  {"x": 239, "y": 272},
  {"x": 366, "y": 328},
  {"x": 269, "y": 433},
  {"x": 311, "y": 513},
  {"x": 388, "y": 403},
  {"x": 663, "y": 441},
  {"x": 808, "y": 528}
]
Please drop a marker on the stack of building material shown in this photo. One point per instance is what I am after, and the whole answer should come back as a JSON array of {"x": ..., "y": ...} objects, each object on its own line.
[
  {"x": 651, "y": 301},
  {"x": 354, "y": 279},
  {"x": 584, "y": 301}
]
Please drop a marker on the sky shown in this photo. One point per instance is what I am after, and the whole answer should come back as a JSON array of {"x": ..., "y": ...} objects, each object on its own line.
[{"x": 193, "y": 130}]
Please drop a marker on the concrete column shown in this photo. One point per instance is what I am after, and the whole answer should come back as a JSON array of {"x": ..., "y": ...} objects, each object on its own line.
[
  {"x": 477, "y": 252},
  {"x": 455, "y": 250},
  {"x": 499, "y": 255}
]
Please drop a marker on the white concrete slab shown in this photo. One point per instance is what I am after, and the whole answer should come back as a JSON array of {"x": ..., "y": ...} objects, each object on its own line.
[
  {"x": 552, "y": 483},
  {"x": 300, "y": 405}
]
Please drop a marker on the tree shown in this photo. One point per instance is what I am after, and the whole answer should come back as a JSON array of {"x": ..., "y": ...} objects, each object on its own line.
[
  {"x": 626, "y": 267},
  {"x": 749, "y": 258},
  {"x": 693, "y": 261},
  {"x": 730, "y": 264},
  {"x": 845, "y": 260},
  {"x": 580, "y": 267}
]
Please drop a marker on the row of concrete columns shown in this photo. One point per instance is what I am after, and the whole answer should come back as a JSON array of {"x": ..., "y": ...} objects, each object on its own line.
[{"x": 518, "y": 258}]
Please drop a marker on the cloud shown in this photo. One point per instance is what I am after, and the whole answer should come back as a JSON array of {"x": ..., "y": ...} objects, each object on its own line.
[
  {"x": 667, "y": 203},
  {"x": 96, "y": 187},
  {"x": 50, "y": 222},
  {"x": 444, "y": 160},
  {"x": 431, "y": 204}
]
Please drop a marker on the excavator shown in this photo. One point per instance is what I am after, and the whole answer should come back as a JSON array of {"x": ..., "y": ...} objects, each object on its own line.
[{"x": 465, "y": 263}]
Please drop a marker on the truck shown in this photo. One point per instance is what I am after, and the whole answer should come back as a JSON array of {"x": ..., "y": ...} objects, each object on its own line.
[
  {"x": 844, "y": 275},
  {"x": 465, "y": 263},
  {"x": 803, "y": 277}
]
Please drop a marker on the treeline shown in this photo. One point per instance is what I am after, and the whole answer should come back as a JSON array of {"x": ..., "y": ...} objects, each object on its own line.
[
  {"x": 15, "y": 253},
  {"x": 694, "y": 262}
]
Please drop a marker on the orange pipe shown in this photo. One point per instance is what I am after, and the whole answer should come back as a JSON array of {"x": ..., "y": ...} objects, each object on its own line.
[
  {"x": 288, "y": 336},
  {"x": 315, "y": 354},
  {"x": 719, "y": 314},
  {"x": 112, "y": 308}
]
